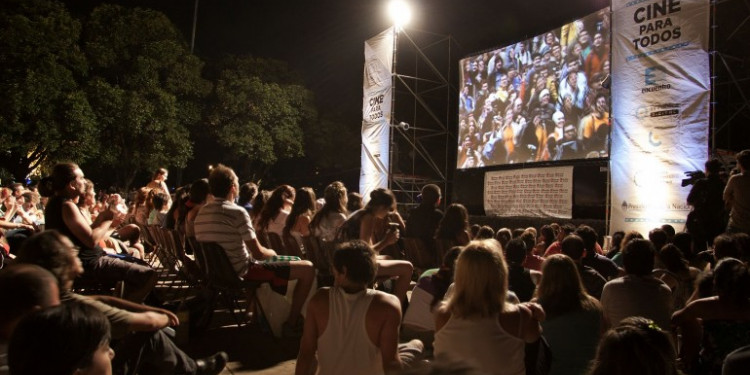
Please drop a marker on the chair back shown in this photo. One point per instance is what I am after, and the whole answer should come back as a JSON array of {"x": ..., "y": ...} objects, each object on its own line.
[
  {"x": 320, "y": 253},
  {"x": 275, "y": 243},
  {"x": 294, "y": 245},
  {"x": 221, "y": 274}
]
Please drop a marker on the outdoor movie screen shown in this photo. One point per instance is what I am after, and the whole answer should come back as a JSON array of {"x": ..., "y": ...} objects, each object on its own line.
[{"x": 541, "y": 99}]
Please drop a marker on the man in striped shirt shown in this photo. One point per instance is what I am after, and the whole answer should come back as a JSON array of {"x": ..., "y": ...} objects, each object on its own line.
[{"x": 228, "y": 224}]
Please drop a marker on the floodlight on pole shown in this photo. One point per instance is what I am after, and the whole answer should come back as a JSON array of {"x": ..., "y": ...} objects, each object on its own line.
[{"x": 400, "y": 13}]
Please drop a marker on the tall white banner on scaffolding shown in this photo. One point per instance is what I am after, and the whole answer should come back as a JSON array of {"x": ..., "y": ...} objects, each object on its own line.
[
  {"x": 376, "y": 113},
  {"x": 661, "y": 92}
]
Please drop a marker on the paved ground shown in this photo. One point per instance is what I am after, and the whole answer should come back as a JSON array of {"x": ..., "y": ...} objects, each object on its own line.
[{"x": 250, "y": 351}]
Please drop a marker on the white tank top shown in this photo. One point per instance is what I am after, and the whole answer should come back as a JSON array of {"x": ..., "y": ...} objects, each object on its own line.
[
  {"x": 344, "y": 347},
  {"x": 482, "y": 343}
]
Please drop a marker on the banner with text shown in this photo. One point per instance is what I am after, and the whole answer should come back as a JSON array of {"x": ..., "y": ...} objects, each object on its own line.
[
  {"x": 538, "y": 192},
  {"x": 661, "y": 86},
  {"x": 376, "y": 113}
]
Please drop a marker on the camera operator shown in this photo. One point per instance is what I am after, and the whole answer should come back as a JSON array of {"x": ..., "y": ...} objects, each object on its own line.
[
  {"x": 708, "y": 218},
  {"x": 737, "y": 196}
]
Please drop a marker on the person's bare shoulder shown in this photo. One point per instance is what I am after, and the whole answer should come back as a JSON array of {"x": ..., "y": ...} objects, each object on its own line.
[
  {"x": 385, "y": 302},
  {"x": 320, "y": 298}
]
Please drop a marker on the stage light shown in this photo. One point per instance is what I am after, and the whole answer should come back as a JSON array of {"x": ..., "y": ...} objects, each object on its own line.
[{"x": 399, "y": 12}]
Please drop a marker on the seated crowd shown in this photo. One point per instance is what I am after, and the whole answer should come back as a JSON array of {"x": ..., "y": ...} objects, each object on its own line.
[{"x": 430, "y": 293}]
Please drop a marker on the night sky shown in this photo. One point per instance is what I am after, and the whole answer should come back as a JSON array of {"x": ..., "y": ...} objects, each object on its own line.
[{"x": 323, "y": 39}]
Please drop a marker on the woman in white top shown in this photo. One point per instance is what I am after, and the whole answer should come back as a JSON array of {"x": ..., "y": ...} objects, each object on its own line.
[
  {"x": 273, "y": 216},
  {"x": 475, "y": 324},
  {"x": 327, "y": 221}
]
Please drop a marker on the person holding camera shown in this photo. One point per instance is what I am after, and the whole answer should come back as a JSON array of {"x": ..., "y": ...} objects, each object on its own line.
[
  {"x": 708, "y": 218},
  {"x": 737, "y": 196}
]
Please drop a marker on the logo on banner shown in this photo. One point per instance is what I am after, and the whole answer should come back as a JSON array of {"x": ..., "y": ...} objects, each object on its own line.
[
  {"x": 658, "y": 110},
  {"x": 654, "y": 79},
  {"x": 652, "y": 29},
  {"x": 377, "y": 75}
]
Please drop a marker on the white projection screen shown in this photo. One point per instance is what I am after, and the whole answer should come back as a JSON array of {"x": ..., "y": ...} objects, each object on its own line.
[{"x": 542, "y": 99}]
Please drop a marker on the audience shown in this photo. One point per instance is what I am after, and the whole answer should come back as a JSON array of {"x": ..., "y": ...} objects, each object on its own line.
[
  {"x": 224, "y": 222},
  {"x": 473, "y": 309},
  {"x": 137, "y": 328},
  {"x": 67, "y": 183},
  {"x": 361, "y": 226}
]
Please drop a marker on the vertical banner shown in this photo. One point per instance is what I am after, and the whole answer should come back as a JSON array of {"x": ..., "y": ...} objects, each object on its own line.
[
  {"x": 661, "y": 93},
  {"x": 533, "y": 192},
  {"x": 376, "y": 113}
]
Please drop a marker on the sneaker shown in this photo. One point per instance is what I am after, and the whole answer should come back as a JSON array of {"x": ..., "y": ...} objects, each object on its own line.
[{"x": 211, "y": 365}]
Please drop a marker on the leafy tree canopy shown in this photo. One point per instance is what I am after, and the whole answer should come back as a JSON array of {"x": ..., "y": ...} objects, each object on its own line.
[
  {"x": 146, "y": 91},
  {"x": 45, "y": 115},
  {"x": 259, "y": 111}
]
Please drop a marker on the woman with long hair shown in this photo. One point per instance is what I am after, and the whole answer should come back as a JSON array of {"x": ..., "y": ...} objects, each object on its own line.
[
  {"x": 455, "y": 225},
  {"x": 276, "y": 210},
  {"x": 140, "y": 208},
  {"x": 677, "y": 274},
  {"x": 361, "y": 226},
  {"x": 302, "y": 212},
  {"x": 259, "y": 202},
  {"x": 326, "y": 222},
  {"x": 575, "y": 320},
  {"x": 476, "y": 323},
  {"x": 65, "y": 185}
]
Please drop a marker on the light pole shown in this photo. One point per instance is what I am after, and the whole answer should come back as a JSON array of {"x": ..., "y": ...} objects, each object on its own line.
[{"x": 400, "y": 14}]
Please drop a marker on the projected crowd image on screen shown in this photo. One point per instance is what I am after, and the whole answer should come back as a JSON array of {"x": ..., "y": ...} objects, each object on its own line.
[{"x": 538, "y": 100}]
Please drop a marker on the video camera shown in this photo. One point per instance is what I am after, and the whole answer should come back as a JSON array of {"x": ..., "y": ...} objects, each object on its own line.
[{"x": 693, "y": 177}]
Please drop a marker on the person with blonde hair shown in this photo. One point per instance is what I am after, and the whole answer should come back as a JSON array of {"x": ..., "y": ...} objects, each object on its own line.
[
  {"x": 574, "y": 320},
  {"x": 476, "y": 324}
]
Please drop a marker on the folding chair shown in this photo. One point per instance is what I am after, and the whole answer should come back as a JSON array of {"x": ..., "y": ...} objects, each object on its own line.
[
  {"x": 320, "y": 253},
  {"x": 224, "y": 282}
]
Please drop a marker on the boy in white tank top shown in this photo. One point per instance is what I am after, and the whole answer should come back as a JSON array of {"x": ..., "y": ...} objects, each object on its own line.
[{"x": 353, "y": 329}]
